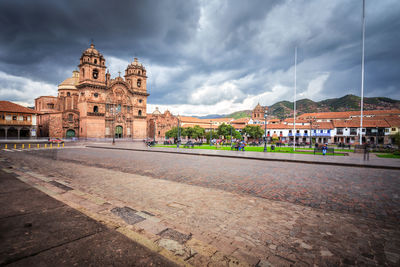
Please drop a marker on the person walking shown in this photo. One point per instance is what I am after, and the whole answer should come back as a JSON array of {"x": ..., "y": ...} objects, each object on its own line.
[
  {"x": 366, "y": 151},
  {"x": 324, "y": 149}
]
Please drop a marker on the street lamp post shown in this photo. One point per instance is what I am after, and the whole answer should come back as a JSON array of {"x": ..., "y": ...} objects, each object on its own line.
[
  {"x": 154, "y": 131},
  {"x": 113, "y": 112},
  {"x": 179, "y": 134},
  {"x": 210, "y": 131},
  {"x": 310, "y": 133},
  {"x": 265, "y": 130},
  {"x": 231, "y": 134}
]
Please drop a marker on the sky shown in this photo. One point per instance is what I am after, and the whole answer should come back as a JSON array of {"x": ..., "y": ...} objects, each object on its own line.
[{"x": 205, "y": 57}]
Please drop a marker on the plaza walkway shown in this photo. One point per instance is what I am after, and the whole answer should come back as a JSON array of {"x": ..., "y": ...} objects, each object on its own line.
[{"x": 353, "y": 160}]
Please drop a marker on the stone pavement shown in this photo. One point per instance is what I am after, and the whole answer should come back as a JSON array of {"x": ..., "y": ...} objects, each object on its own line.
[
  {"x": 354, "y": 160},
  {"x": 37, "y": 230},
  {"x": 207, "y": 226}
]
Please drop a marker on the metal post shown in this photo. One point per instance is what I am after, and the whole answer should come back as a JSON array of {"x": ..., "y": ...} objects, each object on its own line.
[
  {"x": 310, "y": 133},
  {"x": 376, "y": 138},
  {"x": 231, "y": 134},
  {"x": 362, "y": 71},
  {"x": 178, "y": 134},
  {"x": 210, "y": 131},
  {"x": 154, "y": 131},
  {"x": 294, "y": 102},
  {"x": 265, "y": 130},
  {"x": 113, "y": 116}
]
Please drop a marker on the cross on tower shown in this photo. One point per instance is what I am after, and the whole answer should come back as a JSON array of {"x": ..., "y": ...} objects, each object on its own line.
[{"x": 119, "y": 73}]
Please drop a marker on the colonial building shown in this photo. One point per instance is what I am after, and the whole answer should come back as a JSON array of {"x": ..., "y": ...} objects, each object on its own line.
[
  {"x": 92, "y": 105},
  {"x": 16, "y": 121},
  {"x": 158, "y": 124},
  {"x": 257, "y": 115}
]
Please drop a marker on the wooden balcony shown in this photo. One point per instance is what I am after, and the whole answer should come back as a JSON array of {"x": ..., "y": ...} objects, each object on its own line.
[{"x": 15, "y": 122}]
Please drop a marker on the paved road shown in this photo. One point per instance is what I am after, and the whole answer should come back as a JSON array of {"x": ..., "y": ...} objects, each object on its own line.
[
  {"x": 367, "y": 192},
  {"x": 252, "y": 226}
]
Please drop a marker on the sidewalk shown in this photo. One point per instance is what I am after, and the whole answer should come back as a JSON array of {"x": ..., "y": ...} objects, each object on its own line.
[
  {"x": 354, "y": 160},
  {"x": 37, "y": 230}
]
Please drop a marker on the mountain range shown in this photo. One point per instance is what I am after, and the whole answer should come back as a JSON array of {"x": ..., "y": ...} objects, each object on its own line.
[{"x": 284, "y": 109}]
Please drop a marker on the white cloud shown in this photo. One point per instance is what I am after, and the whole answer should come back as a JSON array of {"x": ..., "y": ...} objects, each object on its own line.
[{"x": 23, "y": 90}]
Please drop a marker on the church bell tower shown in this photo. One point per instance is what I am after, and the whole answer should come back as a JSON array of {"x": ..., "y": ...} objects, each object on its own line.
[{"x": 92, "y": 67}]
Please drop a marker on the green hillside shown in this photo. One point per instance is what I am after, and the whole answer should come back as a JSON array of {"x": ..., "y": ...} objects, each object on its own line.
[{"x": 284, "y": 109}]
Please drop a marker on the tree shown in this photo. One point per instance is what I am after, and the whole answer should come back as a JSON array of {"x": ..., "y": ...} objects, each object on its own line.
[
  {"x": 198, "y": 132},
  {"x": 173, "y": 133},
  {"x": 253, "y": 131},
  {"x": 396, "y": 139},
  {"x": 225, "y": 130},
  {"x": 214, "y": 134}
]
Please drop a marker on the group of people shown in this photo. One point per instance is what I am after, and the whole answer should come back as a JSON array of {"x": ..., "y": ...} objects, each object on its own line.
[{"x": 240, "y": 145}]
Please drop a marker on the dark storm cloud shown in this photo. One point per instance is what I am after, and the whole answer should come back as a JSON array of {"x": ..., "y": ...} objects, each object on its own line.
[
  {"x": 206, "y": 52},
  {"x": 54, "y": 33}
]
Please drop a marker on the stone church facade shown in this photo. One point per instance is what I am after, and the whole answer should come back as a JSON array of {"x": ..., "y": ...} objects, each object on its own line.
[{"x": 92, "y": 105}]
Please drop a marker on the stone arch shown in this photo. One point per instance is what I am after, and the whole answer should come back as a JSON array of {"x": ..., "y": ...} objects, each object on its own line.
[
  {"x": 12, "y": 132},
  {"x": 70, "y": 133},
  {"x": 24, "y": 133}
]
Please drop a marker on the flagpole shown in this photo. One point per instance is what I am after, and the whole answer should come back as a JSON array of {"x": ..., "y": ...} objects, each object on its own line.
[
  {"x": 294, "y": 112},
  {"x": 362, "y": 71}
]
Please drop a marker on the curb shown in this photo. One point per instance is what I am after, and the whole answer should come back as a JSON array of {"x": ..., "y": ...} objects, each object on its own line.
[{"x": 256, "y": 158}]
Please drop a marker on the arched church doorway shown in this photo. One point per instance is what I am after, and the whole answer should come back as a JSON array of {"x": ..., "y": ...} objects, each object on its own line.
[
  {"x": 118, "y": 132},
  {"x": 70, "y": 134}
]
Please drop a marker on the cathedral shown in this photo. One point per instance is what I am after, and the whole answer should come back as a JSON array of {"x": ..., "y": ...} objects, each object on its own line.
[{"x": 92, "y": 105}]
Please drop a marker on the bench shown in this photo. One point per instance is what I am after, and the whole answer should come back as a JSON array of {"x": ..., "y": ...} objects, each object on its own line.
[
  {"x": 189, "y": 144},
  {"x": 329, "y": 150},
  {"x": 235, "y": 147}
]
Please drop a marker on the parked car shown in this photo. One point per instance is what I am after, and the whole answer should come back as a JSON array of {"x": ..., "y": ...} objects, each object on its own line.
[{"x": 56, "y": 141}]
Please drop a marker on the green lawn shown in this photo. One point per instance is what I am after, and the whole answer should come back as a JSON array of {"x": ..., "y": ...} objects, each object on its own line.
[
  {"x": 388, "y": 155},
  {"x": 261, "y": 149}
]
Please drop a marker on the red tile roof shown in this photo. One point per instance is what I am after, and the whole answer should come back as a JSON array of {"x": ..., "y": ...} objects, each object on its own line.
[
  {"x": 12, "y": 107},
  {"x": 347, "y": 114},
  {"x": 393, "y": 121},
  {"x": 241, "y": 120}
]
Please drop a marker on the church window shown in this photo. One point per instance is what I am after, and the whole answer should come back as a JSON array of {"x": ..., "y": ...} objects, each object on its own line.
[
  {"x": 70, "y": 117},
  {"x": 139, "y": 82},
  {"x": 140, "y": 113},
  {"x": 96, "y": 94},
  {"x": 95, "y": 61},
  {"x": 95, "y": 109},
  {"x": 128, "y": 108},
  {"x": 107, "y": 107},
  {"x": 119, "y": 108},
  {"x": 68, "y": 94},
  {"x": 14, "y": 117},
  {"x": 83, "y": 73},
  {"x": 95, "y": 74},
  {"x": 50, "y": 106},
  {"x": 140, "y": 100}
]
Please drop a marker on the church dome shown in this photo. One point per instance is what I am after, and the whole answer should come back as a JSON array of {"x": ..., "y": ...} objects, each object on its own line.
[
  {"x": 91, "y": 51},
  {"x": 156, "y": 112},
  {"x": 136, "y": 65},
  {"x": 70, "y": 83}
]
